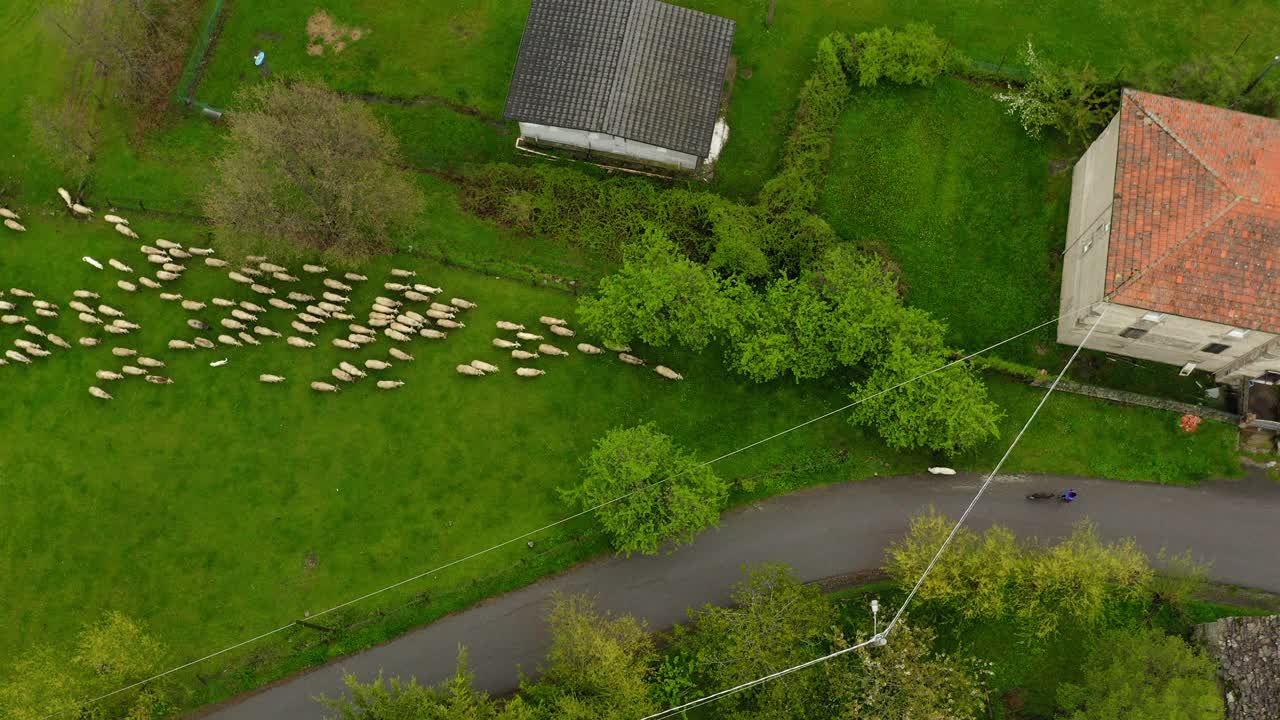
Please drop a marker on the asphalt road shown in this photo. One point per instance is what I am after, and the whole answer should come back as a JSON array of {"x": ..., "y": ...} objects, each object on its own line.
[{"x": 822, "y": 532}]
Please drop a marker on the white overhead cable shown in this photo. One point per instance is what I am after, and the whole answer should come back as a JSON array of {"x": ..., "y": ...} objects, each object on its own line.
[
  {"x": 576, "y": 515},
  {"x": 882, "y": 637}
]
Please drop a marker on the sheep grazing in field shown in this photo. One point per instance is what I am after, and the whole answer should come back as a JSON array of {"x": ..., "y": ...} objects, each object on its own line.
[
  {"x": 148, "y": 250},
  {"x": 81, "y": 210},
  {"x": 562, "y": 331},
  {"x": 271, "y": 379},
  {"x": 548, "y": 320},
  {"x": 14, "y": 225},
  {"x": 589, "y": 349},
  {"x": 286, "y": 277},
  {"x": 437, "y": 315},
  {"x": 214, "y": 262},
  {"x": 119, "y": 265},
  {"x": 123, "y": 352},
  {"x": 193, "y": 305},
  {"x": 397, "y": 272},
  {"x": 271, "y": 267},
  {"x": 89, "y": 342},
  {"x": 228, "y": 340},
  {"x": 399, "y": 354},
  {"x": 329, "y": 307},
  {"x": 15, "y": 319},
  {"x": 46, "y": 313},
  {"x": 404, "y": 319},
  {"x": 343, "y": 316},
  {"x": 323, "y": 387},
  {"x": 416, "y": 316},
  {"x": 379, "y": 321},
  {"x": 150, "y": 362},
  {"x": 171, "y": 297},
  {"x": 443, "y": 308},
  {"x": 110, "y": 311},
  {"x": 341, "y": 375},
  {"x": 200, "y": 251},
  {"x": 126, "y": 231},
  {"x": 354, "y": 277},
  {"x": 262, "y": 289},
  {"x": 395, "y": 287},
  {"x": 88, "y": 260},
  {"x": 158, "y": 259},
  {"x": 390, "y": 384},
  {"x": 205, "y": 343},
  {"x": 223, "y": 302},
  {"x": 483, "y": 366},
  {"x": 84, "y": 317},
  {"x": 359, "y": 339},
  {"x": 19, "y": 292},
  {"x": 668, "y": 373},
  {"x": 617, "y": 348},
  {"x": 173, "y": 267},
  {"x": 25, "y": 344},
  {"x": 10, "y": 306},
  {"x": 8, "y": 214},
  {"x": 126, "y": 286},
  {"x": 530, "y": 372},
  {"x": 310, "y": 319},
  {"x": 66, "y": 196},
  {"x": 317, "y": 311},
  {"x": 523, "y": 355},
  {"x": 148, "y": 282},
  {"x": 74, "y": 305},
  {"x": 265, "y": 332},
  {"x": 242, "y": 279},
  {"x": 59, "y": 341},
  {"x": 552, "y": 350},
  {"x": 362, "y": 330},
  {"x": 16, "y": 356},
  {"x": 86, "y": 294},
  {"x": 167, "y": 244},
  {"x": 239, "y": 314},
  {"x": 38, "y": 352},
  {"x": 401, "y": 328},
  {"x": 298, "y": 342},
  {"x": 300, "y": 297},
  {"x": 504, "y": 344},
  {"x": 199, "y": 325},
  {"x": 247, "y": 338},
  {"x": 108, "y": 375},
  {"x": 180, "y": 254},
  {"x": 303, "y": 328},
  {"x": 417, "y": 296},
  {"x": 114, "y": 219},
  {"x": 427, "y": 289},
  {"x": 158, "y": 380},
  {"x": 630, "y": 359},
  {"x": 462, "y": 304},
  {"x": 376, "y": 364},
  {"x": 133, "y": 371},
  {"x": 344, "y": 344},
  {"x": 315, "y": 269},
  {"x": 99, "y": 393},
  {"x": 380, "y": 300},
  {"x": 383, "y": 309},
  {"x": 431, "y": 334},
  {"x": 528, "y": 336},
  {"x": 450, "y": 324},
  {"x": 230, "y": 324},
  {"x": 336, "y": 285},
  {"x": 468, "y": 370},
  {"x": 351, "y": 370},
  {"x": 335, "y": 298},
  {"x": 181, "y": 345},
  {"x": 281, "y": 304},
  {"x": 396, "y": 335}
]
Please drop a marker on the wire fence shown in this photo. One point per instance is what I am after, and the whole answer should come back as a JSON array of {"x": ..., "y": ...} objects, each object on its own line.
[{"x": 200, "y": 50}]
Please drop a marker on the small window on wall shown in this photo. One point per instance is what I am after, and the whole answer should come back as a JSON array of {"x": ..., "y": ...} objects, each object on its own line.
[
  {"x": 1214, "y": 348},
  {"x": 1132, "y": 333}
]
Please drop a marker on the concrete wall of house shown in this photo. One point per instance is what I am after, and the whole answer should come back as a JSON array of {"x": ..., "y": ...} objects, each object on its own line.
[
  {"x": 610, "y": 145},
  {"x": 1084, "y": 261}
]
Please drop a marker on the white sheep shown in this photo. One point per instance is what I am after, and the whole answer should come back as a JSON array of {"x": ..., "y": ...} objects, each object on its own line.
[
  {"x": 150, "y": 362},
  {"x": 38, "y": 352},
  {"x": 114, "y": 219},
  {"x": 315, "y": 269},
  {"x": 167, "y": 244},
  {"x": 126, "y": 286},
  {"x": 668, "y": 373},
  {"x": 318, "y": 311},
  {"x": 46, "y": 313},
  {"x": 251, "y": 307},
  {"x": 416, "y": 316},
  {"x": 121, "y": 322},
  {"x": 562, "y": 331},
  {"x": 205, "y": 343},
  {"x": 115, "y": 330},
  {"x": 110, "y": 311},
  {"x": 74, "y": 305},
  {"x": 310, "y": 319},
  {"x": 299, "y": 342},
  {"x": 118, "y": 265},
  {"x": 401, "y": 328},
  {"x": 66, "y": 196},
  {"x": 25, "y": 344},
  {"x": 300, "y": 297},
  {"x": 361, "y": 329},
  {"x": 344, "y": 317},
  {"x": 15, "y": 319},
  {"x": 239, "y": 314},
  {"x": 81, "y": 210},
  {"x": 173, "y": 267},
  {"x": 530, "y": 372},
  {"x": 359, "y": 339},
  {"x": 548, "y": 320},
  {"x": 59, "y": 341},
  {"x": 86, "y": 294},
  {"x": 468, "y": 370},
  {"x": 108, "y": 375},
  {"x": 123, "y": 352},
  {"x": 437, "y": 315},
  {"x": 431, "y": 334},
  {"x": 242, "y": 279},
  {"x": 281, "y": 304},
  {"x": 158, "y": 259},
  {"x": 262, "y": 289},
  {"x": 383, "y": 309},
  {"x": 89, "y": 341},
  {"x": 99, "y": 393},
  {"x": 399, "y": 354},
  {"x": 223, "y": 302},
  {"x": 343, "y": 376},
  {"x": 395, "y": 287},
  {"x": 335, "y": 298},
  {"x": 427, "y": 289},
  {"x": 523, "y": 355},
  {"x": 84, "y": 317},
  {"x": 336, "y": 285},
  {"x": 483, "y": 366},
  {"x": 354, "y": 277},
  {"x": 404, "y": 319},
  {"x": 443, "y": 308},
  {"x": 303, "y": 328},
  {"x": 552, "y": 350},
  {"x": 397, "y": 272},
  {"x": 630, "y": 359},
  {"x": 286, "y": 277},
  {"x": 376, "y": 364},
  {"x": 265, "y": 331},
  {"x": 589, "y": 349},
  {"x": 181, "y": 254},
  {"x": 148, "y": 282},
  {"x": 214, "y": 262},
  {"x": 463, "y": 304},
  {"x": 148, "y": 250},
  {"x": 267, "y": 378},
  {"x": 126, "y": 231},
  {"x": 8, "y": 214},
  {"x": 247, "y": 338},
  {"x": 133, "y": 371},
  {"x": 181, "y": 345},
  {"x": 417, "y": 296},
  {"x": 230, "y": 324},
  {"x": 380, "y": 300},
  {"x": 505, "y": 325},
  {"x": 158, "y": 380},
  {"x": 193, "y": 305},
  {"x": 171, "y": 297},
  {"x": 617, "y": 348},
  {"x": 329, "y": 307},
  {"x": 379, "y": 321},
  {"x": 228, "y": 340},
  {"x": 528, "y": 336},
  {"x": 86, "y": 258},
  {"x": 271, "y": 267},
  {"x": 19, "y": 292},
  {"x": 390, "y": 384},
  {"x": 504, "y": 344},
  {"x": 323, "y": 387},
  {"x": 344, "y": 344},
  {"x": 10, "y": 306},
  {"x": 351, "y": 370},
  {"x": 16, "y": 356},
  {"x": 396, "y": 335},
  {"x": 200, "y": 251}
]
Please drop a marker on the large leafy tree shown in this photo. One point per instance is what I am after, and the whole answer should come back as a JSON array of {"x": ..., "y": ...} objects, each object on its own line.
[
  {"x": 658, "y": 297},
  {"x": 597, "y": 667},
  {"x": 309, "y": 170},
  {"x": 784, "y": 330},
  {"x": 669, "y": 495},
  {"x": 1143, "y": 675}
]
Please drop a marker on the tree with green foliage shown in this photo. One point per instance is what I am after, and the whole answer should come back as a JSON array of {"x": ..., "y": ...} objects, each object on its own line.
[
  {"x": 991, "y": 575},
  {"x": 1073, "y": 101},
  {"x": 1143, "y": 674},
  {"x": 669, "y": 495},
  {"x": 597, "y": 666},
  {"x": 773, "y": 621},
  {"x": 307, "y": 170},
  {"x": 1213, "y": 80},
  {"x": 783, "y": 330},
  {"x": 911, "y": 56},
  {"x": 397, "y": 699},
  {"x": 907, "y": 679},
  {"x": 658, "y": 297}
]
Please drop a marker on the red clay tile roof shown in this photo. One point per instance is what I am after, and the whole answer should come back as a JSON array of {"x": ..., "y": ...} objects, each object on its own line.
[{"x": 1198, "y": 192}]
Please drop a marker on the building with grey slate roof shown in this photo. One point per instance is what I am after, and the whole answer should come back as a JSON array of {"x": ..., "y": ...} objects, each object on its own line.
[{"x": 638, "y": 80}]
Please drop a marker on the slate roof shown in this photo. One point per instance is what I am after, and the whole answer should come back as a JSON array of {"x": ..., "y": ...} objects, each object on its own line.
[
  {"x": 1198, "y": 191},
  {"x": 639, "y": 69}
]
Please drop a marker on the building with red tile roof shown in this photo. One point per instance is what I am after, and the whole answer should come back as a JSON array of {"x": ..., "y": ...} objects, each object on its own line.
[{"x": 1174, "y": 232}]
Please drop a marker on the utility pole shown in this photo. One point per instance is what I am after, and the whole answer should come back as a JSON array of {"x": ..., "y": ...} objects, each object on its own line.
[{"x": 1274, "y": 61}]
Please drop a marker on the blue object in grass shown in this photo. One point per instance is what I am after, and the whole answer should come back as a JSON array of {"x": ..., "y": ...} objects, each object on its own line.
[{"x": 260, "y": 58}]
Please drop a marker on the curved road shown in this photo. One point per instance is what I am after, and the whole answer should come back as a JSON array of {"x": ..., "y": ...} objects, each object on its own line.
[{"x": 820, "y": 532}]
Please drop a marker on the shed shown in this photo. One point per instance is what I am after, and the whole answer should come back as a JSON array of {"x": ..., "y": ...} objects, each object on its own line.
[{"x": 638, "y": 80}]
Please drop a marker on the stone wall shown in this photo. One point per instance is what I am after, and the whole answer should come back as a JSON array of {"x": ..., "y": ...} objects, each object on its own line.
[
  {"x": 1129, "y": 398},
  {"x": 1248, "y": 653}
]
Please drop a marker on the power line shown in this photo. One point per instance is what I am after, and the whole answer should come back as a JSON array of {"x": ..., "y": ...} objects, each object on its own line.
[{"x": 882, "y": 637}]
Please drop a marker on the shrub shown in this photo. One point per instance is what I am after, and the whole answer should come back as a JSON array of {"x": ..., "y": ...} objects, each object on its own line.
[
  {"x": 1072, "y": 101},
  {"x": 912, "y": 56}
]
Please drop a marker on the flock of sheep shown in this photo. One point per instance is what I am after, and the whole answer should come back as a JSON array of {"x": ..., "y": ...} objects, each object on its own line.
[{"x": 241, "y": 323}]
